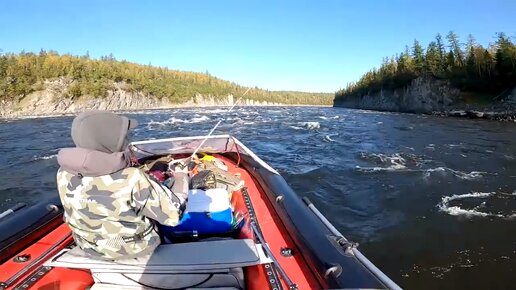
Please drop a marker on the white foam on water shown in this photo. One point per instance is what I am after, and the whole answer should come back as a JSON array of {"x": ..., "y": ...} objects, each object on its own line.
[
  {"x": 396, "y": 167},
  {"x": 394, "y": 162},
  {"x": 44, "y": 157},
  {"x": 473, "y": 175},
  {"x": 329, "y": 139},
  {"x": 329, "y": 118},
  {"x": 407, "y": 161},
  {"x": 296, "y": 127},
  {"x": 310, "y": 125},
  {"x": 445, "y": 207},
  {"x": 430, "y": 147},
  {"x": 175, "y": 120},
  {"x": 263, "y": 119},
  {"x": 198, "y": 119},
  {"x": 395, "y": 158}
]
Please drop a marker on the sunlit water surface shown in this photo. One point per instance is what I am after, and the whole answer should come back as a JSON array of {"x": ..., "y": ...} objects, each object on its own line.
[{"x": 432, "y": 201}]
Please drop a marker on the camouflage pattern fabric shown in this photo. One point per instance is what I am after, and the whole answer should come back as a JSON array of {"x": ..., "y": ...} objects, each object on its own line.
[{"x": 110, "y": 215}]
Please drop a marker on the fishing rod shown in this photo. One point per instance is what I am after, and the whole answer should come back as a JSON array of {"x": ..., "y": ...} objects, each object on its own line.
[
  {"x": 132, "y": 147},
  {"x": 216, "y": 125}
]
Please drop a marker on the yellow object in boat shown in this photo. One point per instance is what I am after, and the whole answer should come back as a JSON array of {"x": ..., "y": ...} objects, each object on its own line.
[{"x": 208, "y": 158}]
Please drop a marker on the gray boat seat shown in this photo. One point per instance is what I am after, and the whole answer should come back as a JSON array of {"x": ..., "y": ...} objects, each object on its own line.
[
  {"x": 205, "y": 264},
  {"x": 102, "y": 286}
]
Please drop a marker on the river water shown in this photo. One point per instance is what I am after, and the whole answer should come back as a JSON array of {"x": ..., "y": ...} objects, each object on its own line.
[{"x": 432, "y": 201}]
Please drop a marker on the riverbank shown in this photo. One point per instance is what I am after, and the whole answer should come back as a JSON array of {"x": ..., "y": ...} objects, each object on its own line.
[
  {"x": 54, "y": 98},
  {"x": 508, "y": 115},
  {"x": 436, "y": 97},
  {"x": 143, "y": 111},
  {"x": 502, "y": 115}
]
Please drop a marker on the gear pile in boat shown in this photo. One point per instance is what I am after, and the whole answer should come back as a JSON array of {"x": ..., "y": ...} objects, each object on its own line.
[{"x": 208, "y": 208}]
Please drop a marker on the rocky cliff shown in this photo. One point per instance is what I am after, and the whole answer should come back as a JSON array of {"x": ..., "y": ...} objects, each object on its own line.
[
  {"x": 54, "y": 99},
  {"x": 423, "y": 95},
  {"x": 432, "y": 96}
]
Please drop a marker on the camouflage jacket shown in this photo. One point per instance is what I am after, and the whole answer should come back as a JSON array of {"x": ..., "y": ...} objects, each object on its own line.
[{"x": 110, "y": 215}]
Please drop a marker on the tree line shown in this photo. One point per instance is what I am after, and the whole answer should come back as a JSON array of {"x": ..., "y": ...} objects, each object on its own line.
[
  {"x": 469, "y": 67},
  {"x": 26, "y": 72}
]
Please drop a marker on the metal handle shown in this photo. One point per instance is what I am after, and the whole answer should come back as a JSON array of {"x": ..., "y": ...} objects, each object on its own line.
[{"x": 12, "y": 209}]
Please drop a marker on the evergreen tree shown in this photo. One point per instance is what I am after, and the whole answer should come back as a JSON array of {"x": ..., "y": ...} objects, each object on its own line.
[
  {"x": 442, "y": 52},
  {"x": 433, "y": 59},
  {"x": 458, "y": 55},
  {"x": 471, "y": 60},
  {"x": 23, "y": 73},
  {"x": 419, "y": 59},
  {"x": 450, "y": 61},
  {"x": 505, "y": 58}
]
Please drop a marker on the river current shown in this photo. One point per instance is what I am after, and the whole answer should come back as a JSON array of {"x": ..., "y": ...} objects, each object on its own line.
[{"x": 431, "y": 201}]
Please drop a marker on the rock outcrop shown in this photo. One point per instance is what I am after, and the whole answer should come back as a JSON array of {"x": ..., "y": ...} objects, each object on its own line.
[
  {"x": 431, "y": 96},
  {"x": 423, "y": 95},
  {"x": 54, "y": 99}
]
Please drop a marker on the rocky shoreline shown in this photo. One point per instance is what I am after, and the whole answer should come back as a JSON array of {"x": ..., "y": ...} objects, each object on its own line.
[
  {"x": 504, "y": 116},
  {"x": 433, "y": 97},
  {"x": 53, "y": 101}
]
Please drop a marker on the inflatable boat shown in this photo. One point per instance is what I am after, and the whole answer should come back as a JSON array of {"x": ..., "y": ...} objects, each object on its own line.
[{"x": 283, "y": 242}]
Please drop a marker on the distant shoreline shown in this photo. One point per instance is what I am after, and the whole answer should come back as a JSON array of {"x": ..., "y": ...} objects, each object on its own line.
[
  {"x": 499, "y": 115},
  {"x": 133, "y": 111}
]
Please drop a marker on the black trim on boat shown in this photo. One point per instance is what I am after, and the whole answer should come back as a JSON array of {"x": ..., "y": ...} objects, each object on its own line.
[
  {"x": 332, "y": 266},
  {"x": 328, "y": 260},
  {"x": 18, "y": 231},
  {"x": 35, "y": 262},
  {"x": 32, "y": 279}
]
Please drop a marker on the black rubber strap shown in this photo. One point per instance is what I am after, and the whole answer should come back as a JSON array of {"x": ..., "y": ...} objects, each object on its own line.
[{"x": 140, "y": 236}]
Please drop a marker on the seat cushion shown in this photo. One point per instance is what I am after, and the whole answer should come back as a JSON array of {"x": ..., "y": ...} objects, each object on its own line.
[{"x": 172, "y": 258}]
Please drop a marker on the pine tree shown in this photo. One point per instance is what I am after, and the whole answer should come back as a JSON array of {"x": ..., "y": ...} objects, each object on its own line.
[
  {"x": 442, "y": 52},
  {"x": 419, "y": 59},
  {"x": 471, "y": 61},
  {"x": 433, "y": 59},
  {"x": 458, "y": 55},
  {"x": 450, "y": 61},
  {"x": 505, "y": 57},
  {"x": 474, "y": 68}
]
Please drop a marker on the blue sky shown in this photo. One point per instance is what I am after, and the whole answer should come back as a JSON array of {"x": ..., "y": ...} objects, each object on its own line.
[{"x": 278, "y": 45}]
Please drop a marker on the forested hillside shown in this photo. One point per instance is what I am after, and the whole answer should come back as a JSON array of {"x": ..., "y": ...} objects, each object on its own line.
[
  {"x": 469, "y": 67},
  {"x": 23, "y": 73}
]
